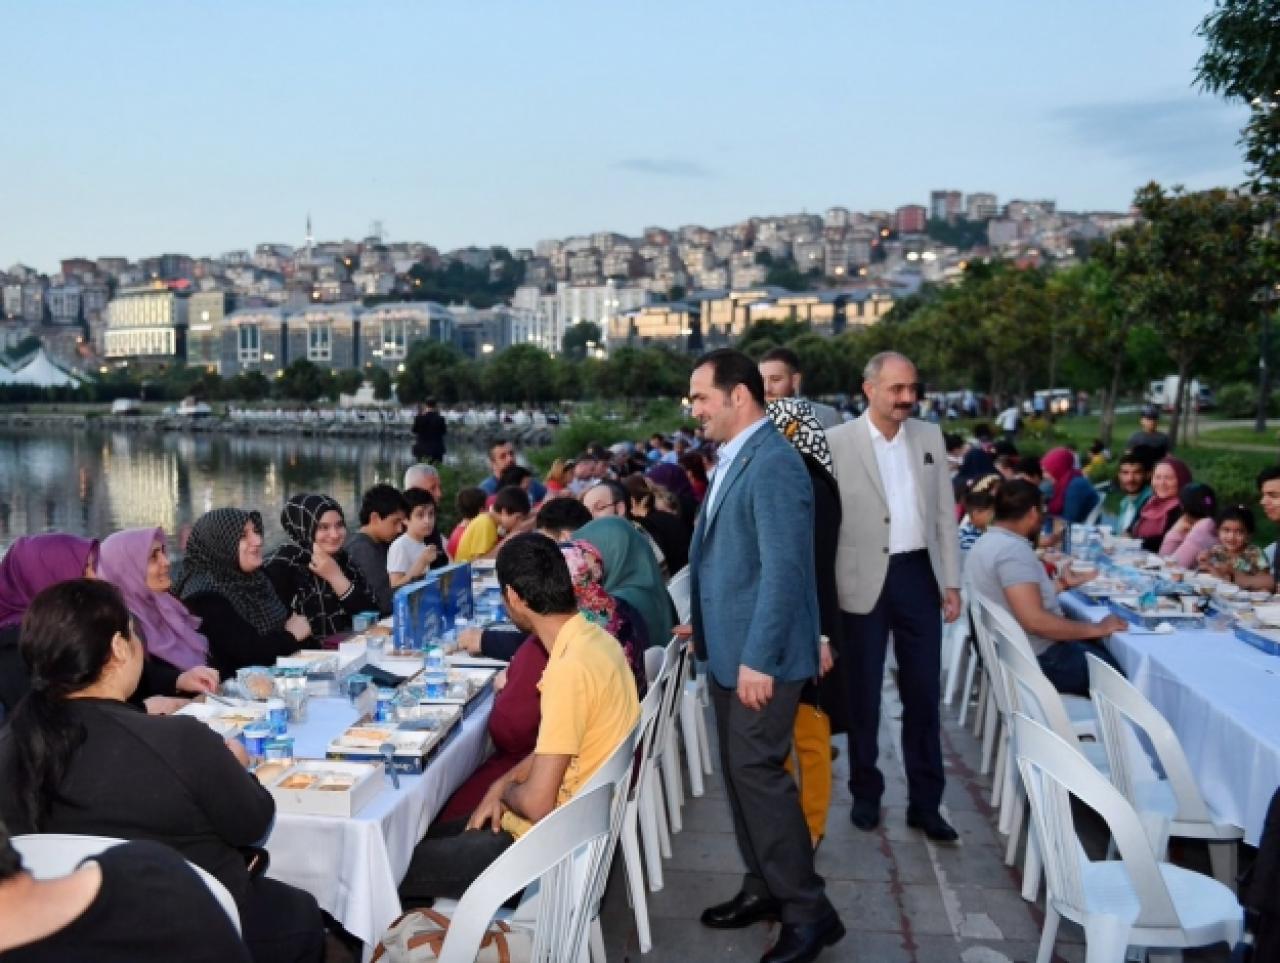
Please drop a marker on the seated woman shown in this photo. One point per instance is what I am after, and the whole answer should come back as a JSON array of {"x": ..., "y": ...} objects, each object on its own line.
[
  {"x": 222, "y": 584},
  {"x": 1235, "y": 557},
  {"x": 669, "y": 531},
  {"x": 135, "y": 561},
  {"x": 632, "y": 575},
  {"x": 132, "y": 903},
  {"x": 1161, "y": 510},
  {"x": 1196, "y": 529},
  {"x": 80, "y": 759},
  {"x": 514, "y": 720},
  {"x": 312, "y": 574},
  {"x": 1072, "y": 497}
]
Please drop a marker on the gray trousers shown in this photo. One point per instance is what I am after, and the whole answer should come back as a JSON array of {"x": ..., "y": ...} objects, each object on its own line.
[{"x": 767, "y": 820}]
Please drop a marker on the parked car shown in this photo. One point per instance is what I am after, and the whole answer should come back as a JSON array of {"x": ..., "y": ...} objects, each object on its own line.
[
  {"x": 126, "y": 406},
  {"x": 1165, "y": 394}
]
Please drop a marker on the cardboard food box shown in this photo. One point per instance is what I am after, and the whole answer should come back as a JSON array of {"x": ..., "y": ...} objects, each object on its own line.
[
  {"x": 413, "y": 747},
  {"x": 316, "y": 787}
]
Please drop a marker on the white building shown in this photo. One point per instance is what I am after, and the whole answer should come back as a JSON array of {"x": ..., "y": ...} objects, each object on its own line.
[{"x": 146, "y": 322}]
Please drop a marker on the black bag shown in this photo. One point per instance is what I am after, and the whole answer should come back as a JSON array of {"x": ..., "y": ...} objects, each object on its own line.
[{"x": 1260, "y": 893}]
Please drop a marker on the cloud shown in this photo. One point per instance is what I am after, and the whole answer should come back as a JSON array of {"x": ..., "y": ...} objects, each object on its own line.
[
  {"x": 664, "y": 166},
  {"x": 1166, "y": 137}
]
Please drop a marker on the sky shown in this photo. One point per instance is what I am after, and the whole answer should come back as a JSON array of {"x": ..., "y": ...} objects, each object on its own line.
[{"x": 132, "y": 128}]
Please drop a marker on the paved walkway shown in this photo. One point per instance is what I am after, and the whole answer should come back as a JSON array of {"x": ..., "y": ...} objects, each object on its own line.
[{"x": 902, "y": 898}]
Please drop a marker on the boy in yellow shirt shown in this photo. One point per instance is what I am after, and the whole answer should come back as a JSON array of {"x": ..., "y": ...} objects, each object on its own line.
[{"x": 509, "y": 513}]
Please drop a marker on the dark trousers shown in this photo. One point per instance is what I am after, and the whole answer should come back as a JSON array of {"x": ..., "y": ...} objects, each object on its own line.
[
  {"x": 1065, "y": 664},
  {"x": 910, "y": 607},
  {"x": 281, "y": 923},
  {"x": 767, "y": 820},
  {"x": 449, "y": 859}
]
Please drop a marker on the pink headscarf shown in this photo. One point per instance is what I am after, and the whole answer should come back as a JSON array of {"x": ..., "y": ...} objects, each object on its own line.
[
  {"x": 33, "y": 563},
  {"x": 165, "y": 623},
  {"x": 1153, "y": 518},
  {"x": 1061, "y": 464}
]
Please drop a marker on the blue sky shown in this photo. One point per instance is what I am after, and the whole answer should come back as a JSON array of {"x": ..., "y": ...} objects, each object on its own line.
[{"x": 134, "y": 128}]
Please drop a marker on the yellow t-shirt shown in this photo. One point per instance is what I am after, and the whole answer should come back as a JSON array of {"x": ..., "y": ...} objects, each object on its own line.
[
  {"x": 479, "y": 538},
  {"x": 588, "y": 702}
]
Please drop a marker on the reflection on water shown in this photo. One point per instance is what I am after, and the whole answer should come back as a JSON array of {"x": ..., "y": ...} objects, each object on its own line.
[{"x": 94, "y": 482}]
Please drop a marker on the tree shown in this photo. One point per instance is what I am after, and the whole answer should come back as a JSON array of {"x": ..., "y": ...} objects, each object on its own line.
[
  {"x": 347, "y": 382},
  {"x": 1197, "y": 265},
  {"x": 787, "y": 276},
  {"x": 431, "y": 370},
  {"x": 381, "y": 380},
  {"x": 303, "y": 381},
  {"x": 578, "y": 336}
]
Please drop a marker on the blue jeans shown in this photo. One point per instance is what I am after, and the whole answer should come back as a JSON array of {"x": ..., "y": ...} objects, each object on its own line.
[{"x": 1065, "y": 666}]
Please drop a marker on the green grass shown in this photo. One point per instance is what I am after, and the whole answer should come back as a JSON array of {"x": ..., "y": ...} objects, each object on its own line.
[{"x": 1242, "y": 436}]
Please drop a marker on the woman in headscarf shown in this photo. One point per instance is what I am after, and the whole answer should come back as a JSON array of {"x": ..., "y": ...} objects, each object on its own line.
[
  {"x": 516, "y": 714},
  {"x": 675, "y": 480},
  {"x": 822, "y": 702},
  {"x": 631, "y": 574},
  {"x": 312, "y": 574},
  {"x": 223, "y": 585},
  {"x": 32, "y": 564},
  {"x": 1072, "y": 497},
  {"x": 1162, "y": 509},
  {"x": 667, "y": 529}
]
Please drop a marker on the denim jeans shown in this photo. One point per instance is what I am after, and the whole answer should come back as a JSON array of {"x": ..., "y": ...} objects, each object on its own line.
[{"x": 1065, "y": 666}]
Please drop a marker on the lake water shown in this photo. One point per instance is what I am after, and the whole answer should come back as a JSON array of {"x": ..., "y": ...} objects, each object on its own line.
[{"x": 94, "y": 482}]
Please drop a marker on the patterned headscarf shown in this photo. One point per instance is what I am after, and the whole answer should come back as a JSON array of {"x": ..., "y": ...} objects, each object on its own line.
[
  {"x": 33, "y": 563},
  {"x": 314, "y": 597},
  {"x": 794, "y": 417},
  {"x": 586, "y": 567},
  {"x": 166, "y": 625},
  {"x": 212, "y": 564}
]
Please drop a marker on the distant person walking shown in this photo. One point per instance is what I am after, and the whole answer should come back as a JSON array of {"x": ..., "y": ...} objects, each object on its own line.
[{"x": 429, "y": 429}]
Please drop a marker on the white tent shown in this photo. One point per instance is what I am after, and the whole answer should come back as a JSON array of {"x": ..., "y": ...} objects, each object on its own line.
[{"x": 40, "y": 372}]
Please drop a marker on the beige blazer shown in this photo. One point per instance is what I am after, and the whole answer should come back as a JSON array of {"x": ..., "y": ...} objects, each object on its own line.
[{"x": 862, "y": 559}]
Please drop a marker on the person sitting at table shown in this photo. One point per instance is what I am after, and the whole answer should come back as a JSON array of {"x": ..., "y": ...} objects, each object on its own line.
[
  {"x": 513, "y": 721},
  {"x": 631, "y": 573},
  {"x": 421, "y": 546},
  {"x": 383, "y": 511},
  {"x": 508, "y": 514},
  {"x": 1162, "y": 509},
  {"x": 1196, "y": 529},
  {"x": 131, "y": 903},
  {"x": 80, "y": 759},
  {"x": 588, "y": 705},
  {"x": 222, "y": 584},
  {"x": 1133, "y": 480},
  {"x": 1071, "y": 498},
  {"x": 979, "y": 508},
  {"x": 669, "y": 531},
  {"x": 1235, "y": 558},
  {"x": 1003, "y": 568}
]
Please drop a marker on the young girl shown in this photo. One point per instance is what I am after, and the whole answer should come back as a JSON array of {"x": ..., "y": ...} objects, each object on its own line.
[
  {"x": 469, "y": 503},
  {"x": 980, "y": 507},
  {"x": 419, "y": 548},
  {"x": 1195, "y": 530},
  {"x": 1234, "y": 555}
]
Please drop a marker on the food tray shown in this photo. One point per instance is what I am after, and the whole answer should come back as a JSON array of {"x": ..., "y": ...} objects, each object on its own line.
[
  {"x": 361, "y": 783},
  {"x": 1267, "y": 640},
  {"x": 1128, "y": 610},
  {"x": 239, "y": 715},
  {"x": 413, "y": 747},
  {"x": 478, "y": 679}
]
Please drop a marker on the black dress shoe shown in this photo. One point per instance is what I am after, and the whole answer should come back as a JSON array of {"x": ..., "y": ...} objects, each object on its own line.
[
  {"x": 743, "y": 910},
  {"x": 802, "y": 942},
  {"x": 934, "y": 826},
  {"x": 865, "y": 814}
]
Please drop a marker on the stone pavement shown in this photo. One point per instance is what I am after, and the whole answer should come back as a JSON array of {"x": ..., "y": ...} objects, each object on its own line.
[{"x": 902, "y": 898}]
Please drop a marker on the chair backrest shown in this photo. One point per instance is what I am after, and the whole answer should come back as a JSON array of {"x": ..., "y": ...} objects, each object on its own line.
[
  {"x": 1119, "y": 704},
  {"x": 49, "y": 855},
  {"x": 1053, "y": 771},
  {"x": 1033, "y": 693},
  {"x": 674, "y": 667},
  {"x": 984, "y": 622},
  {"x": 617, "y": 773},
  {"x": 545, "y": 853},
  {"x": 680, "y": 588}
]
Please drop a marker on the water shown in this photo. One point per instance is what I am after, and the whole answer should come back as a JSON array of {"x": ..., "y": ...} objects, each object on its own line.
[{"x": 94, "y": 482}]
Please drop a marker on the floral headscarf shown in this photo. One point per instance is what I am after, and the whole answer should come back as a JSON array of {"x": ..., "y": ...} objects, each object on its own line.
[{"x": 586, "y": 568}]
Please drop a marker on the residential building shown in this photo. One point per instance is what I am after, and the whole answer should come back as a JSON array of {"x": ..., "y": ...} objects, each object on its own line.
[
  {"x": 946, "y": 205},
  {"x": 1002, "y": 232},
  {"x": 206, "y": 311},
  {"x": 253, "y": 339},
  {"x": 479, "y": 332},
  {"x": 77, "y": 267},
  {"x": 389, "y": 331},
  {"x": 324, "y": 334},
  {"x": 24, "y": 299},
  {"x": 675, "y": 324},
  {"x": 981, "y": 207},
  {"x": 910, "y": 219},
  {"x": 148, "y": 323},
  {"x": 836, "y": 217},
  {"x": 65, "y": 302}
]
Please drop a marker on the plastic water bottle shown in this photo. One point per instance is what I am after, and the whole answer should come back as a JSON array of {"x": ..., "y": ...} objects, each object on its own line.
[{"x": 436, "y": 676}]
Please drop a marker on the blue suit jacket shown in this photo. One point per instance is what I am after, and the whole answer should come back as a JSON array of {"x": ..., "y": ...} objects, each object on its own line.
[{"x": 754, "y": 592}]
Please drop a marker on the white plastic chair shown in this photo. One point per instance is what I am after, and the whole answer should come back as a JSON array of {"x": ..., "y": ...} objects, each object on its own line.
[
  {"x": 564, "y": 853},
  {"x": 694, "y": 700},
  {"x": 1121, "y": 705},
  {"x": 955, "y": 645},
  {"x": 680, "y": 588},
  {"x": 1133, "y": 901},
  {"x": 50, "y": 855},
  {"x": 668, "y": 750}
]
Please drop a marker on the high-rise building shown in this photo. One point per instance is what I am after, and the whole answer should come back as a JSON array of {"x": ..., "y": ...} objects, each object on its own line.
[
  {"x": 910, "y": 219},
  {"x": 945, "y": 205},
  {"x": 981, "y": 207}
]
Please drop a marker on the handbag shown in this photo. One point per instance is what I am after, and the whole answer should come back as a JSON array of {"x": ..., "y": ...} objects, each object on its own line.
[{"x": 418, "y": 935}]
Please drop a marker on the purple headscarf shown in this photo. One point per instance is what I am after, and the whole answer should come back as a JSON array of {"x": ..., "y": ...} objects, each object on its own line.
[
  {"x": 672, "y": 478},
  {"x": 165, "y": 623},
  {"x": 33, "y": 563}
]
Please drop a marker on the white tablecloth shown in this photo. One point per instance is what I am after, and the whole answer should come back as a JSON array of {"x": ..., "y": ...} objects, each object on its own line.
[
  {"x": 353, "y": 866},
  {"x": 1222, "y": 698}
]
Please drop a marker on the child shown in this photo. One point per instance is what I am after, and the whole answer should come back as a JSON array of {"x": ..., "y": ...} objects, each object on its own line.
[
  {"x": 484, "y": 533},
  {"x": 980, "y": 507},
  {"x": 1234, "y": 555},
  {"x": 419, "y": 547},
  {"x": 1196, "y": 529},
  {"x": 470, "y": 503}
]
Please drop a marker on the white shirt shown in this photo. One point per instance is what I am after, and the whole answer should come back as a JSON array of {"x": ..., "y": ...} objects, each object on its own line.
[
  {"x": 893, "y": 458},
  {"x": 725, "y": 456},
  {"x": 403, "y": 553},
  {"x": 1008, "y": 419}
]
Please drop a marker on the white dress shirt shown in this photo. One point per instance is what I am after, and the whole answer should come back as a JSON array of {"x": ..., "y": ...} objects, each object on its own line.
[
  {"x": 725, "y": 456},
  {"x": 893, "y": 458}
]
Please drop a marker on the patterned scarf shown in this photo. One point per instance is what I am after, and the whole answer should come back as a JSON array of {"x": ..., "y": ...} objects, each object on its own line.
[
  {"x": 794, "y": 417},
  {"x": 313, "y": 596},
  {"x": 212, "y": 565},
  {"x": 166, "y": 625},
  {"x": 586, "y": 568}
]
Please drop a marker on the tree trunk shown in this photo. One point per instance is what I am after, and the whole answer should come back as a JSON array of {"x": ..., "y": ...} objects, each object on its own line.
[
  {"x": 1107, "y": 426},
  {"x": 1179, "y": 404}
]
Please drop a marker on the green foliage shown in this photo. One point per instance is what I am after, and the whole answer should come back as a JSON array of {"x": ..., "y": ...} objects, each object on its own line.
[
  {"x": 23, "y": 348},
  {"x": 456, "y": 281},
  {"x": 787, "y": 276},
  {"x": 578, "y": 336},
  {"x": 303, "y": 381},
  {"x": 381, "y": 380},
  {"x": 961, "y": 234}
]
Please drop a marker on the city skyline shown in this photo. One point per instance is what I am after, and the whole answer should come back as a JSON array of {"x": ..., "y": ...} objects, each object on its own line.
[{"x": 564, "y": 120}]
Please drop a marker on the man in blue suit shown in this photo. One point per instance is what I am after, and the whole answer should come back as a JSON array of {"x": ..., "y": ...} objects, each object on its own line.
[{"x": 755, "y": 621}]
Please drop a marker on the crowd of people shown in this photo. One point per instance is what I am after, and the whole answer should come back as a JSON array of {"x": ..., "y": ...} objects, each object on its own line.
[{"x": 810, "y": 540}]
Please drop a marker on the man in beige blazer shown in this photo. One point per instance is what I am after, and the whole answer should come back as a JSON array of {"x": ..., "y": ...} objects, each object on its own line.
[{"x": 898, "y": 563}]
